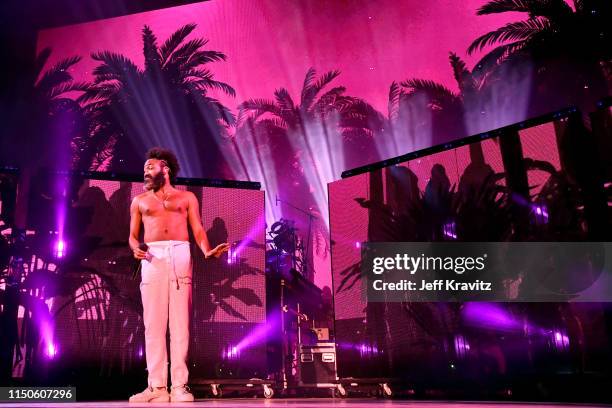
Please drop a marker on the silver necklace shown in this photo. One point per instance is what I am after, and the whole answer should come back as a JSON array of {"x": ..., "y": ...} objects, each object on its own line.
[{"x": 166, "y": 196}]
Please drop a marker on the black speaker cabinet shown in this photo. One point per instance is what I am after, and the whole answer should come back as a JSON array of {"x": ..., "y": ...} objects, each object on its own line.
[{"x": 317, "y": 365}]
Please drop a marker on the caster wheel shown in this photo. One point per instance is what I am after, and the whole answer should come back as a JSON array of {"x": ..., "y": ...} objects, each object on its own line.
[
  {"x": 340, "y": 391},
  {"x": 268, "y": 391},
  {"x": 385, "y": 390},
  {"x": 216, "y": 390}
]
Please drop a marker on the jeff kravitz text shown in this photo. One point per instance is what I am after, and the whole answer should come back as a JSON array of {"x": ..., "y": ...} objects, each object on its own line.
[
  {"x": 434, "y": 286},
  {"x": 404, "y": 265}
]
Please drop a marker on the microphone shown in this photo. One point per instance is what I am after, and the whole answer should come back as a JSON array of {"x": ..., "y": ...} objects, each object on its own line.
[
  {"x": 145, "y": 247},
  {"x": 137, "y": 264}
]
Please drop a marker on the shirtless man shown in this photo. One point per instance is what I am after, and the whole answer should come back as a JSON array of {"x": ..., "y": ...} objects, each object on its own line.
[{"x": 166, "y": 273}]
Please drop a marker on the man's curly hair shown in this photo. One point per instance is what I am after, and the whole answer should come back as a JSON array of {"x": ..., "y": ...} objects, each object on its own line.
[{"x": 168, "y": 157}]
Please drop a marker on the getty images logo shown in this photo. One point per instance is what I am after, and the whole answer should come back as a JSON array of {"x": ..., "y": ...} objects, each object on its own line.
[{"x": 412, "y": 264}]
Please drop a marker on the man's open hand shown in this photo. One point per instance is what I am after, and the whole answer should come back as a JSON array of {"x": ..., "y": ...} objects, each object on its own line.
[{"x": 219, "y": 250}]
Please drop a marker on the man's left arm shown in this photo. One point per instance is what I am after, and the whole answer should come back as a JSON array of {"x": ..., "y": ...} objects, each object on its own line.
[{"x": 193, "y": 213}]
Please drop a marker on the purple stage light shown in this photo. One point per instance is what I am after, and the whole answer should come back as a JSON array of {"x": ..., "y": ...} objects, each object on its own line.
[
  {"x": 61, "y": 190},
  {"x": 357, "y": 245},
  {"x": 366, "y": 350},
  {"x": 461, "y": 346},
  {"x": 230, "y": 254},
  {"x": 490, "y": 316},
  {"x": 59, "y": 248},
  {"x": 231, "y": 352},
  {"x": 44, "y": 322},
  {"x": 450, "y": 230},
  {"x": 539, "y": 213},
  {"x": 258, "y": 335},
  {"x": 256, "y": 230},
  {"x": 519, "y": 199},
  {"x": 560, "y": 340},
  {"x": 51, "y": 350}
]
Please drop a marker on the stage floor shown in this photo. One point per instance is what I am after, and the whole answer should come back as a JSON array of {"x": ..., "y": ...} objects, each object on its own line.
[{"x": 303, "y": 403}]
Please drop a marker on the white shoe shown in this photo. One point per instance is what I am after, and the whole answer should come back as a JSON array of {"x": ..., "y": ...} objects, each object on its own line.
[
  {"x": 151, "y": 395},
  {"x": 181, "y": 394}
]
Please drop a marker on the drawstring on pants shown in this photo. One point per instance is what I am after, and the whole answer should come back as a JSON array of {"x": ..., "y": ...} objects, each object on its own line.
[{"x": 171, "y": 250}]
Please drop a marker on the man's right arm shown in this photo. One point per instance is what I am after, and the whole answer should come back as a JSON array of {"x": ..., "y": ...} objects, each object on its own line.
[{"x": 135, "y": 219}]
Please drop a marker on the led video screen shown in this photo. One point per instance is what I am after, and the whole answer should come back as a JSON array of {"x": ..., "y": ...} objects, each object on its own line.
[{"x": 526, "y": 182}]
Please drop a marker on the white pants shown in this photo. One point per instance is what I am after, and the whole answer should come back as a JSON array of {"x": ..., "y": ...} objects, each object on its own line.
[{"x": 166, "y": 301}]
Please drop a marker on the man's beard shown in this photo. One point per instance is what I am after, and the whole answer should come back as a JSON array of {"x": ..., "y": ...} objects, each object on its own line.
[{"x": 156, "y": 182}]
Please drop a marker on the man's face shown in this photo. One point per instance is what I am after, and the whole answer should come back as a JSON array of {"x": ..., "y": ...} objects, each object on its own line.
[{"x": 154, "y": 174}]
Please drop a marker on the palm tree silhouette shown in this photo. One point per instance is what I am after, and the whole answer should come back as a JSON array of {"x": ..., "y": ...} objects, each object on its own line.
[
  {"x": 49, "y": 102},
  {"x": 49, "y": 112},
  {"x": 312, "y": 106},
  {"x": 567, "y": 46},
  {"x": 50, "y": 88},
  {"x": 417, "y": 107},
  {"x": 293, "y": 134},
  {"x": 132, "y": 107},
  {"x": 288, "y": 126},
  {"x": 362, "y": 125},
  {"x": 448, "y": 108},
  {"x": 450, "y": 112}
]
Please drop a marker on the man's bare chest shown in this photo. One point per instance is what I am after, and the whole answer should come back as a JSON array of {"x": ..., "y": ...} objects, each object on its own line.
[{"x": 171, "y": 207}]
